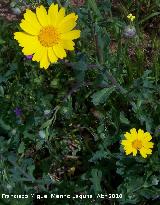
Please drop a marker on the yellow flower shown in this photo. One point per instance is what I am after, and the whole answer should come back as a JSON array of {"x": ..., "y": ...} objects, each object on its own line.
[
  {"x": 131, "y": 17},
  {"x": 46, "y": 36},
  {"x": 137, "y": 141}
]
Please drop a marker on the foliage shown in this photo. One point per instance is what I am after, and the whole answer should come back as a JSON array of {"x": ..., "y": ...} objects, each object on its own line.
[{"x": 74, "y": 114}]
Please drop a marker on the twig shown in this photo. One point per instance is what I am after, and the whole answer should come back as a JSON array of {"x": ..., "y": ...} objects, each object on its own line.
[
  {"x": 98, "y": 49},
  {"x": 114, "y": 82},
  {"x": 75, "y": 89},
  {"x": 108, "y": 74}
]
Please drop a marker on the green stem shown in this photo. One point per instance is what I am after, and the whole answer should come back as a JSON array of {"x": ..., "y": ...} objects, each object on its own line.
[
  {"x": 137, "y": 17},
  {"x": 148, "y": 17}
]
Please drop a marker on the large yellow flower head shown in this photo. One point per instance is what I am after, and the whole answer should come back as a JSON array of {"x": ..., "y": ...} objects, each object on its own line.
[
  {"x": 46, "y": 36},
  {"x": 137, "y": 141}
]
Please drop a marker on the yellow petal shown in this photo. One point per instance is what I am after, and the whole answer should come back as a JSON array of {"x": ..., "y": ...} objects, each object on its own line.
[
  {"x": 68, "y": 45},
  {"x": 128, "y": 151},
  {"x": 69, "y": 17},
  {"x": 147, "y": 144},
  {"x": 140, "y": 134},
  {"x": 27, "y": 27},
  {"x": 59, "y": 51},
  {"x": 53, "y": 14},
  {"x": 127, "y": 146},
  {"x": 147, "y": 136},
  {"x": 31, "y": 18},
  {"x": 124, "y": 142},
  {"x": 61, "y": 14},
  {"x": 44, "y": 62},
  {"x": 51, "y": 55},
  {"x": 149, "y": 151},
  {"x": 38, "y": 55},
  {"x": 143, "y": 152},
  {"x": 42, "y": 16},
  {"x": 30, "y": 43},
  {"x": 128, "y": 136},
  {"x": 134, "y": 152},
  {"x": 67, "y": 26},
  {"x": 71, "y": 35},
  {"x": 68, "y": 23},
  {"x": 133, "y": 133}
]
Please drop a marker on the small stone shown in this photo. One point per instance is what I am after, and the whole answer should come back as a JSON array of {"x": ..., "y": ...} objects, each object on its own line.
[{"x": 16, "y": 11}]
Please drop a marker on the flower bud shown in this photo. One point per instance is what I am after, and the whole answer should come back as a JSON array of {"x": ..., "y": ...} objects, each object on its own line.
[
  {"x": 42, "y": 134},
  {"x": 129, "y": 31},
  {"x": 29, "y": 57},
  {"x": 47, "y": 112}
]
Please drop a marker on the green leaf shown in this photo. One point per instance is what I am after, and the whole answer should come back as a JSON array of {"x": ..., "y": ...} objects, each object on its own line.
[
  {"x": 123, "y": 119},
  {"x": 47, "y": 123},
  {"x": 79, "y": 68},
  {"x": 30, "y": 169},
  {"x": 1, "y": 91},
  {"x": 80, "y": 65},
  {"x": 4, "y": 125},
  {"x": 98, "y": 155},
  {"x": 101, "y": 96},
  {"x": 93, "y": 5},
  {"x": 96, "y": 180},
  {"x": 49, "y": 2},
  {"x": 1, "y": 41},
  {"x": 21, "y": 148}
]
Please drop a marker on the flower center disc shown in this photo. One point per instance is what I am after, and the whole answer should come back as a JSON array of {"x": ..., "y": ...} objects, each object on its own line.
[
  {"x": 137, "y": 144},
  {"x": 49, "y": 36}
]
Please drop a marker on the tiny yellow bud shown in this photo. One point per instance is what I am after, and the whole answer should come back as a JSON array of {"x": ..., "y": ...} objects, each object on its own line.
[{"x": 131, "y": 17}]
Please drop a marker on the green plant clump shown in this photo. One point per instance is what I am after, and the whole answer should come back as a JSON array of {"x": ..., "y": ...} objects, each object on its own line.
[{"x": 61, "y": 128}]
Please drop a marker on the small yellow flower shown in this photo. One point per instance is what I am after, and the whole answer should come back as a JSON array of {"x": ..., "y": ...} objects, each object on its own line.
[
  {"x": 137, "y": 141},
  {"x": 131, "y": 17},
  {"x": 46, "y": 35}
]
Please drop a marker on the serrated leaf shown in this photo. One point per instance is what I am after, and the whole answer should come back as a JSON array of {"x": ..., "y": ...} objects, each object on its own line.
[
  {"x": 96, "y": 180},
  {"x": 98, "y": 155}
]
